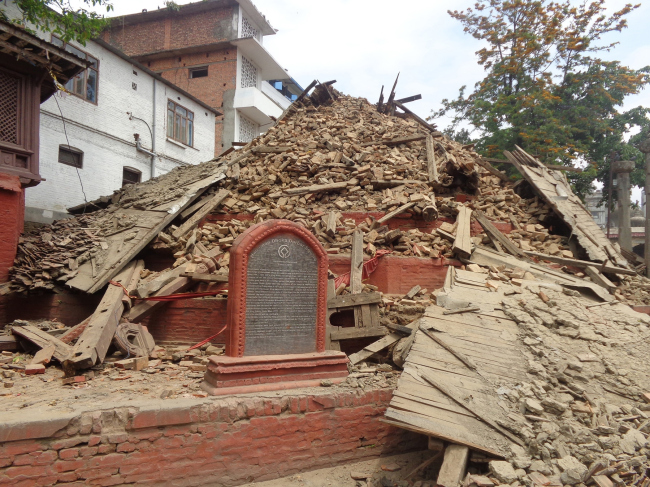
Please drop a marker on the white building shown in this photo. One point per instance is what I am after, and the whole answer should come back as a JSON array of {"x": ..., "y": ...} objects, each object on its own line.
[{"x": 87, "y": 138}]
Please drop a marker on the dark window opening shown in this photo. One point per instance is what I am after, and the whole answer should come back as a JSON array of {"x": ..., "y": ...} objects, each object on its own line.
[
  {"x": 199, "y": 72},
  {"x": 130, "y": 176},
  {"x": 71, "y": 156}
]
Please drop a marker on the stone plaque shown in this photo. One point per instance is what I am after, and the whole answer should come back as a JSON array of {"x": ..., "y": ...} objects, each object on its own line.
[
  {"x": 281, "y": 297},
  {"x": 277, "y": 291}
]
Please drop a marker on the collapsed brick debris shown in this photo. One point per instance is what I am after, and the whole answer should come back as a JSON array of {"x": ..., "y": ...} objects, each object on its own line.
[
  {"x": 326, "y": 162},
  {"x": 581, "y": 415}
]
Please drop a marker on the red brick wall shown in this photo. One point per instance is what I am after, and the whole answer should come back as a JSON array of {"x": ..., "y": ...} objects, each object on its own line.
[
  {"x": 12, "y": 216},
  {"x": 176, "y": 31},
  {"x": 228, "y": 441},
  {"x": 222, "y": 76}
]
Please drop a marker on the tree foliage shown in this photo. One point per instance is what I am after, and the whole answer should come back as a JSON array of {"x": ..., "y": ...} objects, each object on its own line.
[
  {"x": 546, "y": 88},
  {"x": 62, "y": 19}
]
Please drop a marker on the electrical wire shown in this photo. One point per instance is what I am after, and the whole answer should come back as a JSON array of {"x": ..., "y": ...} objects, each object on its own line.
[{"x": 70, "y": 148}]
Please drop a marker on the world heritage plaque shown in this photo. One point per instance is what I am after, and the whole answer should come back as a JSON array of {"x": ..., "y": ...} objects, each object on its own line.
[{"x": 277, "y": 291}]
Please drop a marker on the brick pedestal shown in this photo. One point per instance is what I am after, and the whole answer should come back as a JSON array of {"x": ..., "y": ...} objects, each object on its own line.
[{"x": 234, "y": 375}]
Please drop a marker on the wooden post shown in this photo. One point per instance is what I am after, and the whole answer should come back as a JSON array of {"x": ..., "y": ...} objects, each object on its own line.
[
  {"x": 361, "y": 313},
  {"x": 623, "y": 170},
  {"x": 645, "y": 148}
]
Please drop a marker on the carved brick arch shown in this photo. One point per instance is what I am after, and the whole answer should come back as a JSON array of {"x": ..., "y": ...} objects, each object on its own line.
[{"x": 237, "y": 278}]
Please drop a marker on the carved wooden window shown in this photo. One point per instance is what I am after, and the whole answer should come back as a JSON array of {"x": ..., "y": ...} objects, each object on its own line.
[
  {"x": 248, "y": 74},
  {"x": 10, "y": 89}
]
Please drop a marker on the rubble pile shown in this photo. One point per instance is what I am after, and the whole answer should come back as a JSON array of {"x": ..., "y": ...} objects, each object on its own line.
[{"x": 585, "y": 414}]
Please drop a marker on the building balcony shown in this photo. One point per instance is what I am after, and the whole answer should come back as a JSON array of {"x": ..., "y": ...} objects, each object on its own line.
[{"x": 260, "y": 105}]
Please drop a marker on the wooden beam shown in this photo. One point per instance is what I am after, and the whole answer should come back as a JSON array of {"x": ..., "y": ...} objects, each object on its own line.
[
  {"x": 202, "y": 213},
  {"x": 396, "y": 212},
  {"x": 330, "y": 227},
  {"x": 43, "y": 339},
  {"x": 142, "y": 309},
  {"x": 494, "y": 233},
  {"x": 397, "y": 141},
  {"x": 265, "y": 149},
  {"x": 409, "y": 99},
  {"x": 491, "y": 169},
  {"x": 93, "y": 343},
  {"x": 189, "y": 211},
  {"x": 361, "y": 313},
  {"x": 353, "y": 332},
  {"x": 581, "y": 264},
  {"x": 453, "y": 466},
  {"x": 421, "y": 121},
  {"x": 318, "y": 188},
  {"x": 432, "y": 167},
  {"x": 463, "y": 242},
  {"x": 353, "y": 300},
  {"x": 599, "y": 279},
  {"x": 306, "y": 91},
  {"x": 196, "y": 276}
]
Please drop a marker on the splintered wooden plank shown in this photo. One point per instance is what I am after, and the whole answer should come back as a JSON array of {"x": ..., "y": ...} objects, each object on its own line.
[
  {"x": 432, "y": 167},
  {"x": 91, "y": 277},
  {"x": 93, "y": 343},
  {"x": 43, "y": 340},
  {"x": 331, "y": 224},
  {"x": 495, "y": 235},
  {"x": 463, "y": 242},
  {"x": 202, "y": 213}
]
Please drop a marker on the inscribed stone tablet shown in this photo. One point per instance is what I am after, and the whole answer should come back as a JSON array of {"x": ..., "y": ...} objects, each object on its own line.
[{"x": 281, "y": 297}]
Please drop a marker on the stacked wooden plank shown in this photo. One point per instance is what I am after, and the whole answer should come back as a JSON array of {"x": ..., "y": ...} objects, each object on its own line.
[{"x": 507, "y": 363}]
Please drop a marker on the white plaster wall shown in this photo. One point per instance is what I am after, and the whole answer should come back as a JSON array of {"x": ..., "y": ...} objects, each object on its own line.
[{"x": 105, "y": 134}]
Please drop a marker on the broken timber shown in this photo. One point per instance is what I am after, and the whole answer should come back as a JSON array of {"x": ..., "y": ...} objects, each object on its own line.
[
  {"x": 463, "y": 242},
  {"x": 202, "y": 213},
  {"x": 43, "y": 340},
  {"x": 496, "y": 236},
  {"x": 553, "y": 187},
  {"x": 93, "y": 343},
  {"x": 150, "y": 222}
]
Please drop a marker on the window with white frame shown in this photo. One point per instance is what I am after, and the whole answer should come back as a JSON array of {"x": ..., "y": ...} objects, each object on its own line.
[
  {"x": 248, "y": 129},
  {"x": 247, "y": 29},
  {"x": 248, "y": 74}
]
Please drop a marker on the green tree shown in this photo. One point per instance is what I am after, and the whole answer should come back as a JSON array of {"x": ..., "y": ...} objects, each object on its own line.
[
  {"x": 61, "y": 18},
  {"x": 546, "y": 87}
]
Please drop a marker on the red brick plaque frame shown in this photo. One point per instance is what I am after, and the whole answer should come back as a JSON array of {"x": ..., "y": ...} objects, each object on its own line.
[{"x": 237, "y": 280}]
